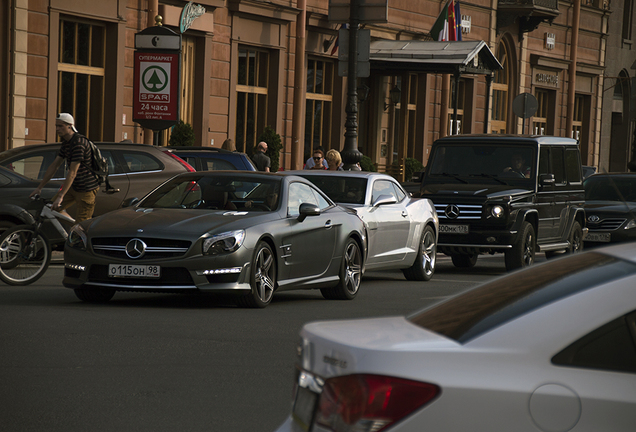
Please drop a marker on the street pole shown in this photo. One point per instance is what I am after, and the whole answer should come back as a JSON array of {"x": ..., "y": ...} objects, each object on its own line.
[{"x": 350, "y": 154}]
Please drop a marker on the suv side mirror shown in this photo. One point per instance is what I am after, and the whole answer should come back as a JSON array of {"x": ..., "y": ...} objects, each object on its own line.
[{"x": 546, "y": 179}]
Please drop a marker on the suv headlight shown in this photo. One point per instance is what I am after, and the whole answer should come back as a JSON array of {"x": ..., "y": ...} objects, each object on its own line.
[
  {"x": 226, "y": 242},
  {"x": 77, "y": 238},
  {"x": 497, "y": 211}
]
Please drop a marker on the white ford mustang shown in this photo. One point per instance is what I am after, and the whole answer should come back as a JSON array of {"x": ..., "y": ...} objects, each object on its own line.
[
  {"x": 548, "y": 348},
  {"x": 401, "y": 230}
]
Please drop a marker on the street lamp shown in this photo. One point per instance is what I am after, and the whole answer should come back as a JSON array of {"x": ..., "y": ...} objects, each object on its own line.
[{"x": 394, "y": 95}]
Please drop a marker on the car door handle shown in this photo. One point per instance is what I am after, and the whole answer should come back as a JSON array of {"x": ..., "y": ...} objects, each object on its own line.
[
  {"x": 404, "y": 213},
  {"x": 328, "y": 224}
]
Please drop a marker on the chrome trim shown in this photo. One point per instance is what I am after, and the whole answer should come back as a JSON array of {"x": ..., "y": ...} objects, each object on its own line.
[
  {"x": 141, "y": 287},
  {"x": 490, "y": 246}
]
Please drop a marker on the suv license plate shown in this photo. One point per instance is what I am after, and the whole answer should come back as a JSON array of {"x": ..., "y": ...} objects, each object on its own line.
[
  {"x": 598, "y": 237},
  {"x": 304, "y": 407},
  {"x": 136, "y": 271},
  {"x": 453, "y": 229}
]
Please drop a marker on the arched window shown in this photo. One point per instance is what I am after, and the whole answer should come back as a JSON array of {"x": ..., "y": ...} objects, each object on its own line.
[{"x": 500, "y": 92}]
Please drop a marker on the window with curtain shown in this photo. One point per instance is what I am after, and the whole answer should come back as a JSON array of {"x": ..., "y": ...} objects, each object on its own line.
[
  {"x": 540, "y": 119},
  {"x": 457, "y": 128},
  {"x": 251, "y": 97},
  {"x": 577, "y": 121},
  {"x": 81, "y": 71}
]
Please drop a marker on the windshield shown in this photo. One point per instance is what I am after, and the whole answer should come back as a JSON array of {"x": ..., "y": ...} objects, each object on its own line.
[
  {"x": 345, "y": 190},
  {"x": 216, "y": 193},
  {"x": 462, "y": 163},
  {"x": 600, "y": 188}
]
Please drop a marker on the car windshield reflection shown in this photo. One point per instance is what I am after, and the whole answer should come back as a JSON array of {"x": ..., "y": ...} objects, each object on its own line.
[
  {"x": 599, "y": 188},
  {"x": 216, "y": 193}
]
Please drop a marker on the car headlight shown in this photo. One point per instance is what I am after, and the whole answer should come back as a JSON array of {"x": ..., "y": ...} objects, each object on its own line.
[
  {"x": 497, "y": 211},
  {"x": 223, "y": 243},
  {"x": 631, "y": 224},
  {"x": 77, "y": 238}
]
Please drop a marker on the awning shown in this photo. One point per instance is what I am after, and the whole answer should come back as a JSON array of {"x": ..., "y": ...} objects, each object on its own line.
[{"x": 470, "y": 57}]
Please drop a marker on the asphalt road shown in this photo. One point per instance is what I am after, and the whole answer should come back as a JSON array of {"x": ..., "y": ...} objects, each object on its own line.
[{"x": 152, "y": 362}]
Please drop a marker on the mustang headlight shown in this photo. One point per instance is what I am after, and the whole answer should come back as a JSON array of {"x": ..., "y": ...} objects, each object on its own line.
[
  {"x": 77, "y": 238},
  {"x": 223, "y": 243},
  {"x": 497, "y": 211},
  {"x": 631, "y": 224}
]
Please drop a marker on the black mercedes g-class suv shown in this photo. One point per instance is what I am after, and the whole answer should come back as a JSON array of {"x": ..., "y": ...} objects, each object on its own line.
[{"x": 516, "y": 194}]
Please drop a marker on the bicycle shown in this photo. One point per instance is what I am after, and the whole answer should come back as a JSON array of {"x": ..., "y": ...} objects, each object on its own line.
[{"x": 25, "y": 251}]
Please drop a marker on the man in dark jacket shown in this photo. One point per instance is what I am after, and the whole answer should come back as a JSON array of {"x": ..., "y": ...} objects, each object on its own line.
[{"x": 261, "y": 161}]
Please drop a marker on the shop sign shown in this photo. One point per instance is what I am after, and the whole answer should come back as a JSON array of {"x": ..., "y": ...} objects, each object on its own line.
[
  {"x": 466, "y": 23},
  {"x": 157, "y": 79},
  {"x": 189, "y": 13},
  {"x": 550, "y": 40},
  {"x": 546, "y": 79}
]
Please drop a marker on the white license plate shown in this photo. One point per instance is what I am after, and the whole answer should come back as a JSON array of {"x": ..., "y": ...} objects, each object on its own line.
[
  {"x": 598, "y": 237},
  {"x": 135, "y": 271},
  {"x": 453, "y": 229},
  {"x": 304, "y": 407}
]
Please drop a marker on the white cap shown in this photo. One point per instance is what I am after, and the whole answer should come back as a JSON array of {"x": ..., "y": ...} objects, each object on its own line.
[{"x": 68, "y": 119}]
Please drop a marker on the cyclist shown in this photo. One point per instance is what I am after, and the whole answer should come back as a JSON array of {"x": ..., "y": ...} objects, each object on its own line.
[{"x": 80, "y": 186}]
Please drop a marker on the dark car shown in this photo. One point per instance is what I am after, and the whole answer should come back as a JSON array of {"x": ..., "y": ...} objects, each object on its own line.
[
  {"x": 15, "y": 202},
  {"x": 134, "y": 169},
  {"x": 506, "y": 194},
  {"x": 213, "y": 159},
  {"x": 610, "y": 208},
  {"x": 246, "y": 234}
]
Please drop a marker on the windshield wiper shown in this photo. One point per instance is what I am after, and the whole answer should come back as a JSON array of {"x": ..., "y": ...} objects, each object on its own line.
[
  {"x": 455, "y": 176},
  {"x": 490, "y": 176}
]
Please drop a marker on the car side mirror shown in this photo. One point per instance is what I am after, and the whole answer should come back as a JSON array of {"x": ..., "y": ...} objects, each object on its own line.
[
  {"x": 546, "y": 179},
  {"x": 383, "y": 200},
  {"x": 129, "y": 202},
  {"x": 307, "y": 209}
]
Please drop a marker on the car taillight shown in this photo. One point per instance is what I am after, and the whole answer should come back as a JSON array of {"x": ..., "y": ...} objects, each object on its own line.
[
  {"x": 365, "y": 403},
  {"x": 181, "y": 161}
]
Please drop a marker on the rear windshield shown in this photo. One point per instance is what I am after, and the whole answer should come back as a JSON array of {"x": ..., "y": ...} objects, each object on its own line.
[{"x": 488, "y": 306}]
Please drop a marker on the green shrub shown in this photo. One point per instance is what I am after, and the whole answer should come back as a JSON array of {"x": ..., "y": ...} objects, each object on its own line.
[
  {"x": 274, "y": 146},
  {"x": 367, "y": 165},
  {"x": 411, "y": 166},
  {"x": 182, "y": 135}
]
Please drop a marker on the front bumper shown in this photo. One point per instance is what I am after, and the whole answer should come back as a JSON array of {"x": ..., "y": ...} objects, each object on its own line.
[{"x": 84, "y": 270}]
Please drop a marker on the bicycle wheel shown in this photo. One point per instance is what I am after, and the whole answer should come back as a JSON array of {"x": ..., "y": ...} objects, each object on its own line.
[{"x": 24, "y": 255}]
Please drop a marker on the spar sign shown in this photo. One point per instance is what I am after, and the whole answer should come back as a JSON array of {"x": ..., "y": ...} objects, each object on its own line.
[{"x": 156, "y": 92}]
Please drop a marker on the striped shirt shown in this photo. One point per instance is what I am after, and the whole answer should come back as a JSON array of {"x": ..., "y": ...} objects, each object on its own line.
[{"x": 77, "y": 150}]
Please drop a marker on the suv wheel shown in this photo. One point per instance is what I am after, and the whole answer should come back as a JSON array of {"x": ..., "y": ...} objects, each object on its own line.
[
  {"x": 522, "y": 252},
  {"x": 464, "y": 261},
  {"x": 576, "y": 238}
]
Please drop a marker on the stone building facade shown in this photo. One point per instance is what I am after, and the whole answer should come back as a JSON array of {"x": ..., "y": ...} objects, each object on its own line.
[{"x": 238, "y": 75}]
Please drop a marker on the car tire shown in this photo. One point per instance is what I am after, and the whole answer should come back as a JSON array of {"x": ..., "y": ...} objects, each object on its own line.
[
  {"x": 424, "y": 265},
  {"x": 464, "y": 261},
  {"x": 350, "y": 274},
  {"x": 576, "y": 238},
  {"x": 262, "y": 278},
  {"x": 523, "y": 251},
  {"x": 94, "y": 295}
]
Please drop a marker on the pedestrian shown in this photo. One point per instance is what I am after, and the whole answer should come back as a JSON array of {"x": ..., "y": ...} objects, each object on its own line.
[
  {"x": 334, "y": 160},
  {"x": 80, "y": 186},
  {"x": 228, "y": 144},
  {"x": 309, "y": 164},
  {"x": 261, "y": 161},
  {"x": 318, "y": 158}
]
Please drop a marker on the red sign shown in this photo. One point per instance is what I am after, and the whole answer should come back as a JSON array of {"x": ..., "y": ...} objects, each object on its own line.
[{"x": 156, "y": 87}]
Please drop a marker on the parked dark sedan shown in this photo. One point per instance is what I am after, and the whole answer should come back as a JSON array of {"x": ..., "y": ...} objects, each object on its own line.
[
  {"x": 135, "y": 169},
  {"x": 213, "y": 159},
  {"x": 610, "y": 208},
  {"x": 243, "y": 233}
]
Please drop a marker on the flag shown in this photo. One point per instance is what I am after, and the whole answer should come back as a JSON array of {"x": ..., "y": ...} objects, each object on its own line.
[
  {"x": 337, "y": 43},
  {"x": 452, "y": 23},
  {"x": 439, "y": 31},
  {"x": 458, "y": 20}
]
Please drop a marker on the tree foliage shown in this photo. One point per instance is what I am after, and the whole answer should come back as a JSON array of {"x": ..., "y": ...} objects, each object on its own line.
[
  {"x": 182, "y": 135},
  {"x": 274, "y": 146}
]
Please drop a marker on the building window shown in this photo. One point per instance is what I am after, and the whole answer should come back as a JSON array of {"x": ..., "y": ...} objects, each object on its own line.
[
  {"x": 540, "y": 119},
  {"x": 81, "y": 75},
  {"x": 628, "y": 11},
  {"x": 500, "y": 93},
  {"x": 251, "y": 100},
  {"x": 455, "y": 129},
  {"x": 320, "y": 81},
  {"x": 577, "y": 121}
]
